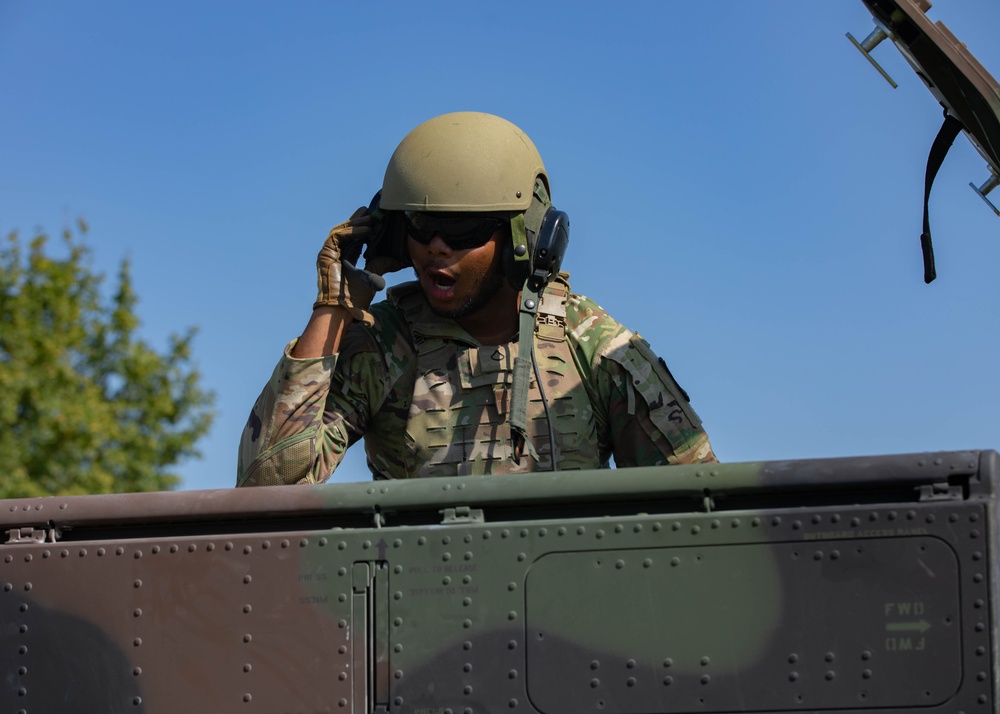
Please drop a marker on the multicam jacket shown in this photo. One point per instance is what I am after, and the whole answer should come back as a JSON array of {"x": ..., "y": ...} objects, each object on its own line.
[{"x": 429, "y": 400}]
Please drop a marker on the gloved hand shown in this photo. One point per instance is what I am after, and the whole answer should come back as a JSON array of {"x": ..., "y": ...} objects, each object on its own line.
[{"x": 339, "y": 281}]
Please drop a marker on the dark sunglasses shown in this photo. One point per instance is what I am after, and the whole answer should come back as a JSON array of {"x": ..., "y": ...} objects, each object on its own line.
[{"x": 461, "y": 231}]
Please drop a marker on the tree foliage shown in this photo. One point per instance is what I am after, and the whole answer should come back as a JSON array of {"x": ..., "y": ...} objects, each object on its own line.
[{"x": 85, "y": 405}]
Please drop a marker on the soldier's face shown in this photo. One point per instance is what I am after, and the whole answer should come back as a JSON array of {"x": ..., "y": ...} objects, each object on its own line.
[{"x": 460, "y": 283}]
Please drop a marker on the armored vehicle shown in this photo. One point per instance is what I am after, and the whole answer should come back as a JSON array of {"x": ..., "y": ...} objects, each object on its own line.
[{"x": 856, "y": 584}]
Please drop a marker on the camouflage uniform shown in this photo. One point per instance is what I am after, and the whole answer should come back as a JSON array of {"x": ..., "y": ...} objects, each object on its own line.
[{"x": 431, "y": 401}]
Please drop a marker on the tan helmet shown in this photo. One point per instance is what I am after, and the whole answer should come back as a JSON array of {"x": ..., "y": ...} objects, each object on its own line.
[{"x": 465, "y": 161}]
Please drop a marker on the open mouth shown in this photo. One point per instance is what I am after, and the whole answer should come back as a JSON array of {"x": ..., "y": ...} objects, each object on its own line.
[{"x": 440, "y": 280}]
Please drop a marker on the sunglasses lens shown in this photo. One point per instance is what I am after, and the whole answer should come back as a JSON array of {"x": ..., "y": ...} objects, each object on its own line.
[{"x": 459, "y": 231}]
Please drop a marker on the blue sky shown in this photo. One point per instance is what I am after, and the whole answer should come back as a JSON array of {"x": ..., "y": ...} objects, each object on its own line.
[{"x": 745, "y": 190}]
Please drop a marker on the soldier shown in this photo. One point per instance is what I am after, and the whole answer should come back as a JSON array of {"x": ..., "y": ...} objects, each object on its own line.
[{"x": 487, "y": 363}]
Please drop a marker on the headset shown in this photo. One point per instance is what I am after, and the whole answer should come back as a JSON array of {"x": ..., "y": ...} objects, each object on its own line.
[{"x": 387, "y": 239}]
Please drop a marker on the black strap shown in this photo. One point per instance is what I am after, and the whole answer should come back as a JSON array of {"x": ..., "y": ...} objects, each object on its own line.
[{"x": 939, "y": 149}]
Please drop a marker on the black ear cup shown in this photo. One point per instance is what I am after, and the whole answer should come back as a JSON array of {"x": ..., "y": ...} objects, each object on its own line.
[
  {"x": 388, "y": 234},
  {"x": 550, "y": 245},
  {"x": 547, "y": 249}
]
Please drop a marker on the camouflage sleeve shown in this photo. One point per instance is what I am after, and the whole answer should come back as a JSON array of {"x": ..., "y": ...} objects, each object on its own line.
[
  {"x": 644, "y": 412},
  {"x": 302, "y": 423}
]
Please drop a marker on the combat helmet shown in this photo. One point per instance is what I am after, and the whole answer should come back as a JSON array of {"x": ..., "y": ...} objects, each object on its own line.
[{"x": 480, "y": 163}]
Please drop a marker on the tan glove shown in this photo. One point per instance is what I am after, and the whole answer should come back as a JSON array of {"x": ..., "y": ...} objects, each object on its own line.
[{"x": 339, "y": 281}]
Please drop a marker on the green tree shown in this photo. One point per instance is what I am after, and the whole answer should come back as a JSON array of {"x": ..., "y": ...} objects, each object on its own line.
[{"x": 85, "y": 405}]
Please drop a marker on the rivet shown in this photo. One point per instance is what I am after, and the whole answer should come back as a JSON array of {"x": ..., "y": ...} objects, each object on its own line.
[
  {"x": 530, "y": 304},
  {"x": 247, "y": 697}
]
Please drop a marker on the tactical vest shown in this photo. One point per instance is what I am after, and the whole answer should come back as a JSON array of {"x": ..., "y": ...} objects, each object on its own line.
[{"x": 458, "y": 419}]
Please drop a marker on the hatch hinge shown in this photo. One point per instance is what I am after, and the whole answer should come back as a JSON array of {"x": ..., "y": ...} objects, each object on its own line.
[
  {"x": 30, "y": 534},
  {"x": 462, "y": 514},
  {"x": 942, "y": 491}
]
